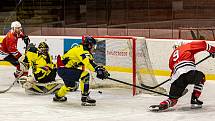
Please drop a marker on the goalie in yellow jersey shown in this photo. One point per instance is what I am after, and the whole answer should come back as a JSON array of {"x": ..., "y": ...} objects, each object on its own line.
[
  {"x": 44, "y": 70},
  {"x": 69, "y": 71}
]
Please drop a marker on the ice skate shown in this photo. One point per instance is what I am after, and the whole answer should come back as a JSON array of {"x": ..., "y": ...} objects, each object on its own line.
[
  {"x": 87, "y": 101},
  {"x": 155, "y": 108},
  {"x": 195, "y": 103},
  {"x": 59, "y": 99},
  {"x": 166, "y": 104}
]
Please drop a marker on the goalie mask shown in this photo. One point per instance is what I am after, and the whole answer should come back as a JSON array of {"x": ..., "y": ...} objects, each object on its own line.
[
  {"x": 89, "y": 43},
  {"x": 43, "y": 48}
]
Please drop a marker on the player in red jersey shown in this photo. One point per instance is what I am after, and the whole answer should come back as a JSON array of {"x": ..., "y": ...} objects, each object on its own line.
[
  {"x": 8, "y": 47},
  {"x": 184, "y": 72}
]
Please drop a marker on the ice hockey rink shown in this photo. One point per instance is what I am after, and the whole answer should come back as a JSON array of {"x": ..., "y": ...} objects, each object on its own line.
[{"x": 113, "y": 104}]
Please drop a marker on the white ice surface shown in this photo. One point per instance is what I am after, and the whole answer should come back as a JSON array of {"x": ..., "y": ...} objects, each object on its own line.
[{"x": 112, "y": 105}]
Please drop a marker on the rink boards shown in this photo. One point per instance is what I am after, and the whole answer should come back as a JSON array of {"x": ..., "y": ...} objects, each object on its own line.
[{"x": 159, "y": 52}]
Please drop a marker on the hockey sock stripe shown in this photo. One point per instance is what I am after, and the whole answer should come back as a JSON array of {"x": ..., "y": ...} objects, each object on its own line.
[
  {"x": 208, "y": 47},
  {"x": 199, "y": 90},
  {"x": 198, "y": 87},
  {"x": 169, "y": 102}
]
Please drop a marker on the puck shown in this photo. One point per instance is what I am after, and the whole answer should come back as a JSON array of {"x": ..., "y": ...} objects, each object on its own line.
[{"x": 100, "y": 92}]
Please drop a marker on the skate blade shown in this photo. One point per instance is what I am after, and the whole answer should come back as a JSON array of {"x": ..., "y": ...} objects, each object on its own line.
[
  {"x": 154, "y": 108},
  {"x": 195, "y": 106},
  {"x": 55, "y": 100},
  {"x": 59, "y": 101},
  {"x": 88, "y": 104}
]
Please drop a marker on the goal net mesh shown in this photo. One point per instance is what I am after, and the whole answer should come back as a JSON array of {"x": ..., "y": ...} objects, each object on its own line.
[{"x": 127, "y": 59}]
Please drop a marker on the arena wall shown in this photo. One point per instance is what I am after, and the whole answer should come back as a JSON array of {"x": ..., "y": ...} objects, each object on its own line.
[{"x": 159, "y": 52}]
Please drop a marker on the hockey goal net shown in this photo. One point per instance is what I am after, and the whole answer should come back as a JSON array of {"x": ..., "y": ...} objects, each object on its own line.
[{"x": 127, "y": 59}]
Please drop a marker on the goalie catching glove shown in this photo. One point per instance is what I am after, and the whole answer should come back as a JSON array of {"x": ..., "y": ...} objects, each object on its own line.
[{"x": 102, "y": 73}]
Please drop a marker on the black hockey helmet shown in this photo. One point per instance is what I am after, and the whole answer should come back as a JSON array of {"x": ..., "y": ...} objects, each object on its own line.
[
  {"x": 43, "y": 48},
  {"x": 89, "y": 42}
]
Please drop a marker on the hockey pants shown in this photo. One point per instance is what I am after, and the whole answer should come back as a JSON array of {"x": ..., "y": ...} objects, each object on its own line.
[{"x": 71, "y": 77}]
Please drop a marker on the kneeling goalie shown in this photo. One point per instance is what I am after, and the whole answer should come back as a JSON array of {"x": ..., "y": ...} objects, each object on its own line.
[{"x": 43, "y": 68}]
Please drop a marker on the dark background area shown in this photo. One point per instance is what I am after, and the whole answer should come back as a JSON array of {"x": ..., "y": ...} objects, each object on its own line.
[{"x": 149, "y": 18}]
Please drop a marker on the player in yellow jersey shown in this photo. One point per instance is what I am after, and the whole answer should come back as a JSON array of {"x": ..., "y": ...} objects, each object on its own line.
[
  {"x": 44, "y": 70},
  {"x": 69, "y": 71}
]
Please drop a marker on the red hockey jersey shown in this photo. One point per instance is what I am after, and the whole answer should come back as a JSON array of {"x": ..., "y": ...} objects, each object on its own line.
[
  {"x": 182, "y": 59},
  {"x": 9, "y": 43}
]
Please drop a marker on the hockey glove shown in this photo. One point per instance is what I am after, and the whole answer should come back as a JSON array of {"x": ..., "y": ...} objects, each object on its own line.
[
  {"x": 212, "y": 55},
  {"x": 102, "y": 73},
  {"x": 26, "y": 39}
]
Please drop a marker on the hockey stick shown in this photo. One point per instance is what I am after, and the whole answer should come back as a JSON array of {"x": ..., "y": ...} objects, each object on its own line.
[
  {"x": 116, "y": 80},
  {"x": 203, "y": 59},
  {"x": 3, "y": 91},
  {"x": 170, "y": 78}
]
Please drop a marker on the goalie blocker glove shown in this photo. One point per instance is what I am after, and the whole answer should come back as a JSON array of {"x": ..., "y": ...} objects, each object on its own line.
[{"x": 102, "y": 73}]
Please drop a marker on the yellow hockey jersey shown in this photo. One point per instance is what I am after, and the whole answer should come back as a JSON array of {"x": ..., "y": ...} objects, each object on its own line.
[
  {"x": 78, "y": 56},
  {"x": 38, "y": 61}
]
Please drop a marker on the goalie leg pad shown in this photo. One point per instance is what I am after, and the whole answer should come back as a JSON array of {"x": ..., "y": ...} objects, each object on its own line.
[
  {"x": 27, "y": 85},
  {"x": 44, "y": 88},
  {"x": 52, "y": 88},
  {"x": 34, "y": 90},
  {"x": 26, "y": 81}
]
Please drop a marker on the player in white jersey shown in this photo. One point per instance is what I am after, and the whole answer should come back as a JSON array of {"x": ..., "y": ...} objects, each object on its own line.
[{"x": 184, "y": 72}]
